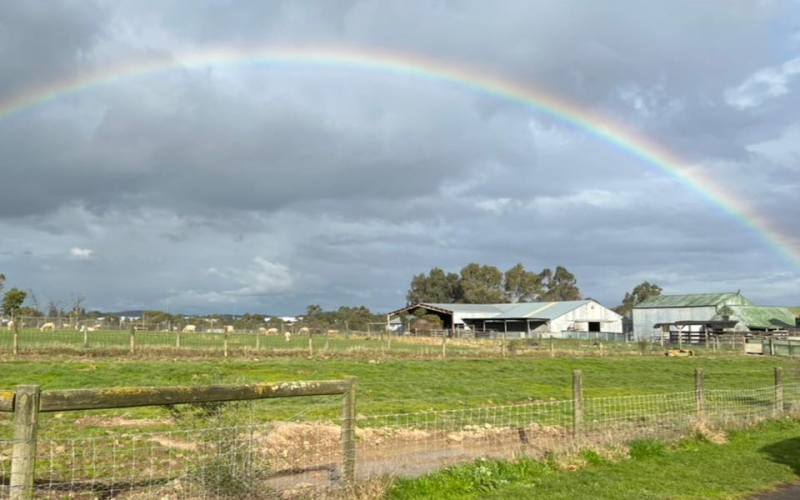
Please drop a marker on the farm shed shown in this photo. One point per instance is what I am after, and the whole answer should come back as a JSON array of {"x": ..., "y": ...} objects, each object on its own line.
[
  {"x": 524, "y": 319},
  {"x": 665, "y": 309},
  {"x": 757, "y": 318}
]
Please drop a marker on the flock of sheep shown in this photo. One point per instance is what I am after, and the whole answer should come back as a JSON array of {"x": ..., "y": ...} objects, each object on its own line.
[{"x": 49, "y": 327}]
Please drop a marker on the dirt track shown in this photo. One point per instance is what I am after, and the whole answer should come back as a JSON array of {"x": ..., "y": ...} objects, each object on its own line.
[{"x": 788, "y": 492}]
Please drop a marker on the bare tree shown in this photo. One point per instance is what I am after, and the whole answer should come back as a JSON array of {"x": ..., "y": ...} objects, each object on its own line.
[
  {"x": 33, "y": 300},
  {"x": 77, "y": 300}
]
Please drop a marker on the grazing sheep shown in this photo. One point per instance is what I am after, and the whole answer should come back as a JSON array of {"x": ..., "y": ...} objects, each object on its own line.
[
  {"x": 262, "y": 330},
  {"x": 272, "y": 331},
  {"x": 11, "y": 325},
  {"x": 333, "y": 332},
  {"x": 189, "y": 329},
  {"x": 303, "y": 331},
  {"x": 48, "y": 326},
  {"x": 228, "y": 329},
  {"x": 287, "y": 336}
]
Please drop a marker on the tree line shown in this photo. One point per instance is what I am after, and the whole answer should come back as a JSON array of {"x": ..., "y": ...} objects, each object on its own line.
[{"x": 484, "y": 284}]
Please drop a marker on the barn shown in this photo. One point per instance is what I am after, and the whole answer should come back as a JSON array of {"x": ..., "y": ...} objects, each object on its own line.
[
  {"x": 523, "y": 319},
  {"x": 666, "y": 309}
]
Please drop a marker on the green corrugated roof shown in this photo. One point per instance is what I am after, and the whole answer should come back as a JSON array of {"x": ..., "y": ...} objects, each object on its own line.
[
  {"x": 761, "y": 317},
  {"x": 693, "y": 300}
]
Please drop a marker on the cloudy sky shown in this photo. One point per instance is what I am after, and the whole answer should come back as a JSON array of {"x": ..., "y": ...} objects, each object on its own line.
[{"x": 239, "y": 187}]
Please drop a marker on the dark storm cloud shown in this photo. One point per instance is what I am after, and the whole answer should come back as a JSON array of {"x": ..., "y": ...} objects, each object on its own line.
[{"x": 233, "y": 188}]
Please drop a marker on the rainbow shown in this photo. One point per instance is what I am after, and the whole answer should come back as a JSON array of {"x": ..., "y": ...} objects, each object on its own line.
[{"x": 421, "y": 67}]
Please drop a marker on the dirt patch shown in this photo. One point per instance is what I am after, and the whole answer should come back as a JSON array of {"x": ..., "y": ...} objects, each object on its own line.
[{"x": 122, "y": 421}]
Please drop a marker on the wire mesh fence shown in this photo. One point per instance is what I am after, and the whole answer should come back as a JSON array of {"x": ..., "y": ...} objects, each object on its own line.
[
  {"x": 237, "y": 450},
  {"x": 25, "y": 337}
]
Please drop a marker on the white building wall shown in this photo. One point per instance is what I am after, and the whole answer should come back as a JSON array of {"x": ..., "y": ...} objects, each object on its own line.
[
  {"x": 578, "y": 319},
  {"x": 644, "y": 319}
]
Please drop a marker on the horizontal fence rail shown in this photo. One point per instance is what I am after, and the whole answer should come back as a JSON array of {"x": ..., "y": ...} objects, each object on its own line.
[{"x": 28, "y": 401}]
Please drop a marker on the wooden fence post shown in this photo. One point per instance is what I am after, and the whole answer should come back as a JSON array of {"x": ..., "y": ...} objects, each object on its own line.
[
  {"x": 225, "y": 343},
  {"x": 133, "y": 338},
  {"x": 85, "y": 338},
  {"x": 258, "y": 341},
  {"x": 577, "y": 403},
  {"x": 16, "y": 337},
  {"x": 551, "y": 346},
  {"x": 444, "y": 346},
  {"x": 178, "y": 338},
  {"x": 771, "y": 347},
  {"x": 310, "y": 344},
  {"x": 778, "y": 392},
  {"x": 23, "y": 457},
  {"x": 503, "y": 345},
  {"x": 699, "y": 393},
  {"x": 349, "y": 434},
  {"x": 327, "y": 341}
]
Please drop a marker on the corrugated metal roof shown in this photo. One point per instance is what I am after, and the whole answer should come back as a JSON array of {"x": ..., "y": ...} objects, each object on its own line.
[
  {"x": 761, "y": 317},
  {"x": 468, "y": 308},
  {"x": 541, "y": 310},
  {"x": 538, "y": 310},
  {"x": 693, "y": 300}
]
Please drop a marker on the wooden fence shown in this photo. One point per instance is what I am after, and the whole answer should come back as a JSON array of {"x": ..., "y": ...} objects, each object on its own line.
[{"x": 28, "y": 401}]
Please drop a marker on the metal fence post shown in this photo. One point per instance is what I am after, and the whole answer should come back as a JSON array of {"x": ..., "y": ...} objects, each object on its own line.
[
  {"x": 349, "y": 434},
  {"x": 699, "y": 393},
  {"x": 778, "y": 391},
  {"x": 23, "y": 458},
  {"x": 577, "y": 403}
]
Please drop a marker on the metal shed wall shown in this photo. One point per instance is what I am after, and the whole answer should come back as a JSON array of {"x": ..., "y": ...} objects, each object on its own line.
[{"x": 644, "y": 319}]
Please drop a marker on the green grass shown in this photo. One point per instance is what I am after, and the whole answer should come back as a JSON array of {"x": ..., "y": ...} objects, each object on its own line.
[
  {"x": 754, "y": 460},
  {"x": 395, "y": 386}
]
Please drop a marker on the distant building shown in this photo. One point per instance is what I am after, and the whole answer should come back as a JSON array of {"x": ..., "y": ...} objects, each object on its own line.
[
  {"x": 524, "y": 319},
  {"x": 652, "y": 317}
]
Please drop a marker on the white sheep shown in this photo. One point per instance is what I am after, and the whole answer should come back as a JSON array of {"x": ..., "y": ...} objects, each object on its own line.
[
  {"x": 262, "y": 330},
  {"x": 287, "y": 336},
  {"x": 272, "y": 331},
  {"x": 48, "y": 326},
  {"x": 189, "y": 329},
  {"x": 333, "y": 332},
  {"x": 11, "y": 325},
  {"x": 229, "y": 329},
  {"x": 303, "y": 331}
]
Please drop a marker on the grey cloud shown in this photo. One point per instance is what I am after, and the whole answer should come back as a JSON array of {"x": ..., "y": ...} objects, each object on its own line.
[{"x": 265, "y": 188}]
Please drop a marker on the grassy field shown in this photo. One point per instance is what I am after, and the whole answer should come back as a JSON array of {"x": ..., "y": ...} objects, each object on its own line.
[
  {"x": 385, "y": 386},
  {"x": 400, "y": 386},
  {"x": 753, "y": 460}
]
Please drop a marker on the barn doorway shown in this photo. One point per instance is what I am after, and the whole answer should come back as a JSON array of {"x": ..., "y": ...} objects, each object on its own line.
[{"x": 594, "y": 326}]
